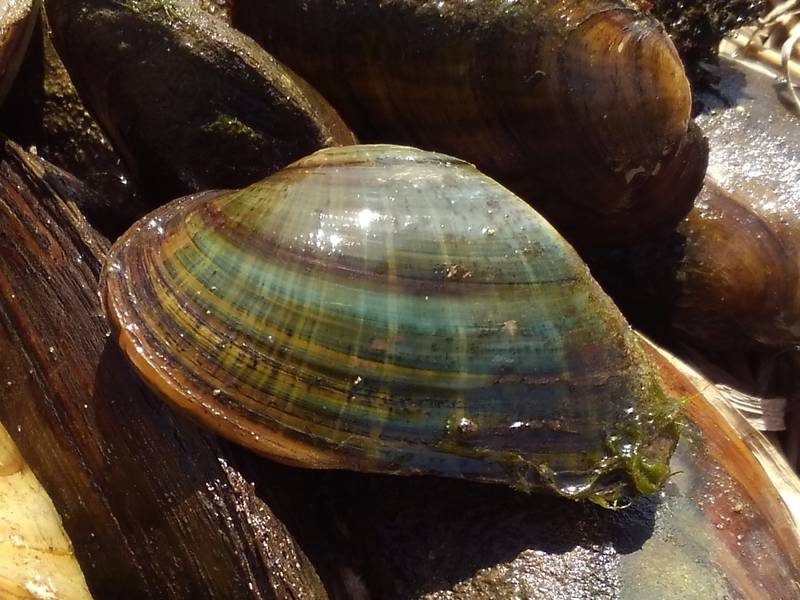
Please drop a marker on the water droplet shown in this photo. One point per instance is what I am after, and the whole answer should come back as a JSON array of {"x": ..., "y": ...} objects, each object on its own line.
[
  {"x": 511, "y": 327},
  {"x": 366, "y": 217},
  {"x": 466, "y": 425},
  {"x": 155, "y": 224}
]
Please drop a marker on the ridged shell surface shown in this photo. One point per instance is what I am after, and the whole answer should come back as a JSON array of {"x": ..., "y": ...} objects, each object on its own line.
[
  {"x": 581, "y": 107},
  {"x": 381, "y": 308}
]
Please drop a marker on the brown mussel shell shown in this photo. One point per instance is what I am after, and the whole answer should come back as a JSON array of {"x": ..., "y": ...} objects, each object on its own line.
[
  {"x": 582, "y": 108},
  {"x": 189, "y": 102},
  {"x": 728, "y": 278}
]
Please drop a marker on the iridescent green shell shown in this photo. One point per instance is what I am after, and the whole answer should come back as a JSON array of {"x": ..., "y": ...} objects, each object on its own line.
[{"x": 385, "y": 309}]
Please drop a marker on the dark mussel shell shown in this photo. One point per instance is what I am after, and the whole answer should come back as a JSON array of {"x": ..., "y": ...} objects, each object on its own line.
[{"x": 580, "y": 107}]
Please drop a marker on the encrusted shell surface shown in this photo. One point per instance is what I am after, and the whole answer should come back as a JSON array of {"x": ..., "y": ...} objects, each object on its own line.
[
  {"x": 179, "y": 94},
  {"x": 385, "y": 309}
]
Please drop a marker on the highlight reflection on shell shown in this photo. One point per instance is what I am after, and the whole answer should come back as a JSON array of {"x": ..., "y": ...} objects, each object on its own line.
[{"x": 385, "y": 309}]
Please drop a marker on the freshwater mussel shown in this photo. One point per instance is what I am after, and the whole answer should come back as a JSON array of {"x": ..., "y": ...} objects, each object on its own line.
[
  {"x": 189, "y": 103},
  {"x": 726, "y": 280},
  {"x": 377, "y": 309},
  {"x": 385, "y": 309},
  {"x": 582, "y": 108}
]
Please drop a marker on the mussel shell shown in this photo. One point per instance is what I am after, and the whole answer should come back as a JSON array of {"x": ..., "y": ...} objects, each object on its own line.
[
  {"x": 190, "y": 103},
  {"x": 738, "y": 281},
  {"x": 739, "y": 278},
  {"x": 581, "y": 107},
  {"x": 381, "y": 308},
  {"x": 727, "y": 279},
  {"x": 44, "y": 110},
  {"x": 36, "y": 556}
]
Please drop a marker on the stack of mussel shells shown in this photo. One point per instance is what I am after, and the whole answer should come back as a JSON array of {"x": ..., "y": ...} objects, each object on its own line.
[{"x": 314, "y": 299}]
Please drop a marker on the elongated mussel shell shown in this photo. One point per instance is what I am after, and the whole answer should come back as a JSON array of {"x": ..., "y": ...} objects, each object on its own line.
[
  {"x": 727, "y": 280},
  {"x": 179, "y": 93},
  {"x": 385, "y": 309},
  {"x": 581, "y": 107}
]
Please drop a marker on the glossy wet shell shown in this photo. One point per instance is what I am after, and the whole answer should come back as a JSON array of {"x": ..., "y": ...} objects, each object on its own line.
[
  {"x": 728, "y": 278},
  {"x": 380, "y": 308},
  {"x": 581, "y": 107}
]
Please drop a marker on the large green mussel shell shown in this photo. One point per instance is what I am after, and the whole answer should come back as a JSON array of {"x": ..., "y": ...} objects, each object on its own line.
[{"x": 385, "y": 309}]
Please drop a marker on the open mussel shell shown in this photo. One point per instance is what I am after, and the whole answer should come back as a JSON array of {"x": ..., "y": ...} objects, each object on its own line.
[
  {"x": 36, "y": 556},
  {"x": 385, "y": 309},
  {"x": 582, "y": 108}
]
